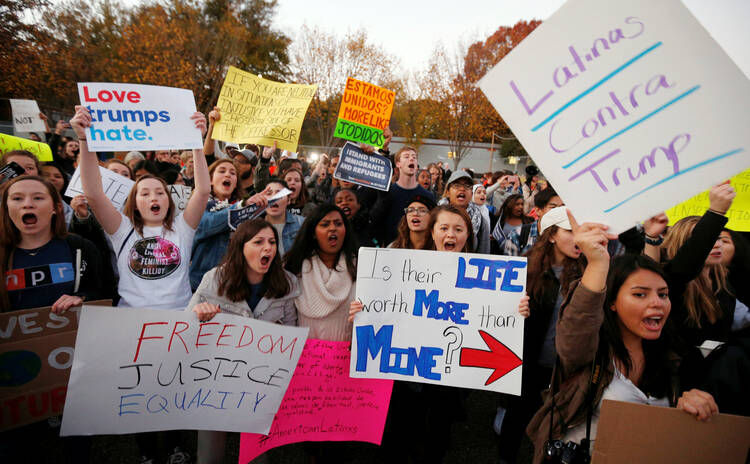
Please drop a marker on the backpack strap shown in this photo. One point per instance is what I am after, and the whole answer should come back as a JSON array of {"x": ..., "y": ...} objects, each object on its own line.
[{"x": 124, "y": 242}]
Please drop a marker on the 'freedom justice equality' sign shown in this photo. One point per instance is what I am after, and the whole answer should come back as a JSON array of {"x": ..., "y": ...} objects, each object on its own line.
[
  {"x": 256, "y": 110},
  {"x": 139, "y": 117},
  {"x": 439, "y": 317},
  {"x": 166, "y": 370},
  {"x": 365, "y": 111},
  {"x": 628, "y": 114}
]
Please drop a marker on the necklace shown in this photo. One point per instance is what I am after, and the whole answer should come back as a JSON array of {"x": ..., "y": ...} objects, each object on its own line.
[{"x": 33, "y": 251}]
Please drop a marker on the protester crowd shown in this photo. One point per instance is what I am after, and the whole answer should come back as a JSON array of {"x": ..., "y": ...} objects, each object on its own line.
[{"x": 633, "y": 308}]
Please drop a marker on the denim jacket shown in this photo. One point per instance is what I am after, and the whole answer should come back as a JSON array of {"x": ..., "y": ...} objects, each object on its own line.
[
  {"x": 292, "y": 226},
  {"x": 211, "y": 240}
]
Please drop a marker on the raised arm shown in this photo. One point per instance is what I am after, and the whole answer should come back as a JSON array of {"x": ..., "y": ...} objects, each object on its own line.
[
  {"x": 208, "y": 144},
  {"x": 109, "y": 217},
  {"x": 688, "y": 262},
  {"x": 581, "y": 316},
  {"x": 202, "y": 189}
]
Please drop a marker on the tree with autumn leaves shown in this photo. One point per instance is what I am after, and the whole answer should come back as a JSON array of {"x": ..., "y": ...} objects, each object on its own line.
[
  {"x": 191, "y": 43},
  {"x": 178, "y": 43}
]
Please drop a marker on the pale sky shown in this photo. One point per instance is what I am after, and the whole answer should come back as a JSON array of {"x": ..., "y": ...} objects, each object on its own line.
[{"x": 410, "y": 29}]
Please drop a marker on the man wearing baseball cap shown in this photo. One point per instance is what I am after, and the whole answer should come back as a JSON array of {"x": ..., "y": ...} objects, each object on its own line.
[{"x": 458, "y": 192}]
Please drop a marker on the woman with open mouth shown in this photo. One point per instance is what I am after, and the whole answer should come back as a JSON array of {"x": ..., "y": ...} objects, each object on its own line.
[
  {"x": 413, "y": 230},
  {"x": 147, "y": 223},
  {"x": 250, "y": 282},
  {"x": 34, "y": 236},
  {"x": 554, "y": 262},
  {"x": 704, "y": 300},
  {"x": 299, "y": 200},
  {"x": 348, "y": 201},
  {"x": 515, "y": 233},
  {"x": 286, "y": 224},
  {"x": 611, "y": 322},
  {"x": 212, "y": 236},
  {"x": 324, "y": 260}
]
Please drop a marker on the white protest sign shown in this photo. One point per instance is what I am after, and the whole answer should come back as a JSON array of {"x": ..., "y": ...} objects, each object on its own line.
[
  {"x": 116, "y": 187},
  {"x": 180, "y": 195},
  {"x": 238, "y": 216},
  {"x": 139, "y": 370},
  {"x": 626, "y": 114},
  {"x": 439, "y": 317},
  {"x": 139, "y": 117},
  {"x": 26, "y": 116}
]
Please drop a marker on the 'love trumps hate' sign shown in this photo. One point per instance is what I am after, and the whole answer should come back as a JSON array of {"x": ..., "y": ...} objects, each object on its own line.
[{"x": 640, "y": 108}]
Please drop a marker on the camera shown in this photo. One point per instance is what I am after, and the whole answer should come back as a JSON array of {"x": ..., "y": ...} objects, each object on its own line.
[{"x": 557, "y": 452}]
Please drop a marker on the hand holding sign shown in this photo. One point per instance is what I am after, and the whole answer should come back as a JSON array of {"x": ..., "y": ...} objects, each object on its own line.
[{"x": 720, "y": 198}]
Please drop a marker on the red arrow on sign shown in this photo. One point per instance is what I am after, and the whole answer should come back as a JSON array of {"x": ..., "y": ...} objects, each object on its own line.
[{"x": 499, "y": 357}]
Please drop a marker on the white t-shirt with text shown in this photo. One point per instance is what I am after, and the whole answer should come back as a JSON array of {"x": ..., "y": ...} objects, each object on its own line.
[{"x": 154, "y": 267}]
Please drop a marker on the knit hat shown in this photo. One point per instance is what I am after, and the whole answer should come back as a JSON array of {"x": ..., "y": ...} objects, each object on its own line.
[{"x": 425, "y": 200}]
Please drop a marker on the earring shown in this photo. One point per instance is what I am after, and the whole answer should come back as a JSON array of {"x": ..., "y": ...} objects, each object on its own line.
[{"x": 552, "y": 241}]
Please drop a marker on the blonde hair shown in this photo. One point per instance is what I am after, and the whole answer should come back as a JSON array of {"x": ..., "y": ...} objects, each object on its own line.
[{"x": 700, "y": 294}]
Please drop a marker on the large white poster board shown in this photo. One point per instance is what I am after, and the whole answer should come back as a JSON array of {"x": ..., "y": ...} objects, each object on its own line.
[
  {"x": 144, "y": 370},
  {"x": 139, "y": 117},
  {"x": 116, "y": 187},
  {"x": 441, "y": 318},
  {"x": 26, "y": 116},
  {"x": 628, "y": 108}
]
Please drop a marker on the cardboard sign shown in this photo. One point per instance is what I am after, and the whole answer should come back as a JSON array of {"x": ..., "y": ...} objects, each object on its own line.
[
  {"x": 10, "y": 143},
  {"x": 629, "y": 433},
  {"x": 621, "y": 114},
  {"x": 116, "y": 187},
  {"x": 323, "y": 403},
  {"x": 36, "y": 352},
  {"x": 240, "y": 215},
  {"x": 148, "y": 370},
  {"x": 365, "y": 111},
  {"x": 10, "y": 171},
  {"x": 256, "y": 110},
  {"x": 26, "y": 116},
  {"x": 439, "y": 317},
  {"x": 180, "y": 196},
  {"x": 358, "y": 167},
  {"x": 129, "y": 117},
  {"x": 738, "y": 214}
]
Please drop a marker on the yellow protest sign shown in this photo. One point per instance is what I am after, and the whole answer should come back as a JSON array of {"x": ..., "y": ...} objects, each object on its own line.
[
  {"x": 256, "y": 110},
  {"x": 365, "y": 111},
  {"x": 738, "y": 214},
  {"x": 10, "y": 143}
]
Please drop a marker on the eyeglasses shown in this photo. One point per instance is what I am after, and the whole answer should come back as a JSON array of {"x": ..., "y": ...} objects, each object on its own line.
[
  {"x": 417, "y": 211},
  {"x": 461, "y": 186}
]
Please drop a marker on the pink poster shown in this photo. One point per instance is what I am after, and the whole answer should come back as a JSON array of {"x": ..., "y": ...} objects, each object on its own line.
[{"x": 323, "y": 403}]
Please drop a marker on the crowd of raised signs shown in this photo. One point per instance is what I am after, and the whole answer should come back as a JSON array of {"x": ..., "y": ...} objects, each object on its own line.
[{"x": 634, "y": 308}]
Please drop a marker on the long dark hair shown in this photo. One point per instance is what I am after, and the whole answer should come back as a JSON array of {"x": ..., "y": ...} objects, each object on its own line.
[
  {"x": 232, "y": 275},
  {"x": 508, "y": 207},
  {"x": 10, "y": 236},
  {"x": 306, "y": 245},
  {"x": 656, "y": 377},
  {"x": 403, "y": 239},
  {"x": 540, "y": 259}
]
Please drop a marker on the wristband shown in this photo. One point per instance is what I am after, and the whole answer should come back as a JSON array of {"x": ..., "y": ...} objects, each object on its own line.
[{"x": 655, "y": 241}]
